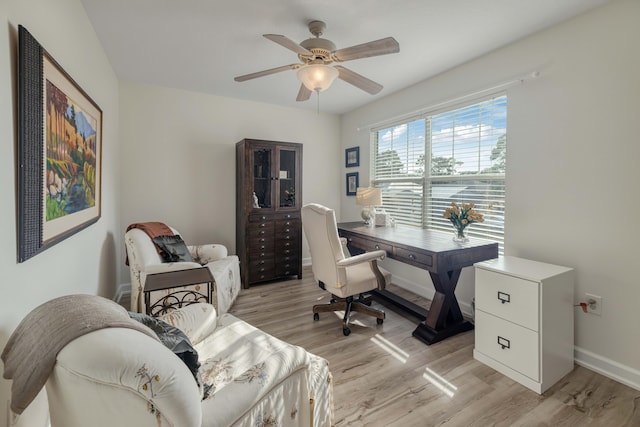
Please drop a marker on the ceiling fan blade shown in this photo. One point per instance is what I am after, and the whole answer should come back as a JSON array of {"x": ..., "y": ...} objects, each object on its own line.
[
  {"x": 288, "y": 43},
  {"x": 303, "y": 94},
  {"x": 266, "y": 72},
  {"x": 365, "y": 50},
  {"x": 358, "y": 80}
]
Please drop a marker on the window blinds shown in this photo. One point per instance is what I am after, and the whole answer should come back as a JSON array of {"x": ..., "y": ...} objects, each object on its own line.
[{"x": 458, "y": 155}]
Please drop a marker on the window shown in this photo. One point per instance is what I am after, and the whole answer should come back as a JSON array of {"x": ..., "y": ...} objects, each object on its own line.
[{"x": 424, "y": 164}]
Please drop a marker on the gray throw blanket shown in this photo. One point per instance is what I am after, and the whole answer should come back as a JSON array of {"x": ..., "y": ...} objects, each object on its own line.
[{"x": 30, "y": 353}]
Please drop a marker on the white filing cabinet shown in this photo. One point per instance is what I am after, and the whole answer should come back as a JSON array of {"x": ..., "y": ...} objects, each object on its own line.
[{"x": 524, "y": 320}]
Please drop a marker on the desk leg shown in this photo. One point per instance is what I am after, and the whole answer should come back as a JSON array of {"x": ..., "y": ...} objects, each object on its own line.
[{"x": 444, "y": 318}]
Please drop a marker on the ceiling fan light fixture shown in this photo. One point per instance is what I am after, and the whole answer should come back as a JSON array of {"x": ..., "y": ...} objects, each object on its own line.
[{"x": 317, "y": 77}]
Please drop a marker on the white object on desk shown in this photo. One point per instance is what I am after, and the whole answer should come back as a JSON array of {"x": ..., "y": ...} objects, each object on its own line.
[
  {"x": 380, "y": 219},
  {"x": 524, "y": 320}
]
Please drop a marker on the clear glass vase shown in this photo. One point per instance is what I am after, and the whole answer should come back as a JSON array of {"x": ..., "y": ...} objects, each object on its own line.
[{"x": 459, "y": 235}]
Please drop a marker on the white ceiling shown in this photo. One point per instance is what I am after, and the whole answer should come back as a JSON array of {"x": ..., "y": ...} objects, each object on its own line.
[{"x": 201, "y": 45}]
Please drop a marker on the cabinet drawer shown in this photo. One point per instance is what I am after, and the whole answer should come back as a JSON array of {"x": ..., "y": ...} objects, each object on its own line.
[
  {"x": 287, "y": 216},
  {"x": 369, "y": 245},
  {"x": 287, "y": 268},
  {"x": 263, "y": 244},
  {"x": 259, "y": 230},
  {"x": 260, "y": 257},
  {"x": 508, "y": 343},
  {"x": 287, "y": 247},
  {"x": 412, "y": 257},
  {"x": 260, "y": 217},
  {"x": 508, "y": 297},
  {"x": 287, "y": 237},
  {"x": 287, "y": 227}
]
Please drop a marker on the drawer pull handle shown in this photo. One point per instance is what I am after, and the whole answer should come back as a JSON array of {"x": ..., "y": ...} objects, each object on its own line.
[
  {"x": 503, "y": 342},
  {"x": 412, "y": 256},
  {"x": 504, "y": 298}
]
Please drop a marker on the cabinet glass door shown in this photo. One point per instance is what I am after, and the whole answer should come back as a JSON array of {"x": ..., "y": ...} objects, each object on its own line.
[
  {"x": 287, "y": 178},
  {"x": 262, "y": 176}
]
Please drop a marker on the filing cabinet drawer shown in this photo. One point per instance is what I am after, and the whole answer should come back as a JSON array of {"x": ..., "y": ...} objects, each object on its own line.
[
  {"x": 508, "y": 297},
  {"x": 508, "y": 343}
]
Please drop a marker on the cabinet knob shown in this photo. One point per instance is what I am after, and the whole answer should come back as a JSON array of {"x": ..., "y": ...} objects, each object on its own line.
[
  {"x": 377, "y": 246},
  {"x": 288, "y": 216},
  {"x": 263, "y": 217},
  {"x": 412, "y": 256}
]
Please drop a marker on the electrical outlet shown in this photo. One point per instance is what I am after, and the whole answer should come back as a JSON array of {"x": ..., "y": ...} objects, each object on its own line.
[{"x": 594, "y": 304}]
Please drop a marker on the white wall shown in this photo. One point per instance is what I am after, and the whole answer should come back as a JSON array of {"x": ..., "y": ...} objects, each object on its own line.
[
  {"x": 178, "y": 158},
  {"x": 572, "y": 173},
  {"x": 86, "y": 262}
]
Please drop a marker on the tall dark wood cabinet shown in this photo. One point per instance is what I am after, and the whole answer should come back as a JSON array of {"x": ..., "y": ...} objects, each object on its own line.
[{"x": 268, "y": 201}]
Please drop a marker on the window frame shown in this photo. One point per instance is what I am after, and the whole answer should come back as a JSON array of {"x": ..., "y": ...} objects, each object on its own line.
[{"x": 493, "y": 228}]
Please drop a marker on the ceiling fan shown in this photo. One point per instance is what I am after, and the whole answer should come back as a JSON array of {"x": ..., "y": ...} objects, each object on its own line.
[{"x": 317, "y": 53}]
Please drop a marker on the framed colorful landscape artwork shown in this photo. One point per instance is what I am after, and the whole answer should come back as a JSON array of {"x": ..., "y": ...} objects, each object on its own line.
[{"x": 59, "y": 152}]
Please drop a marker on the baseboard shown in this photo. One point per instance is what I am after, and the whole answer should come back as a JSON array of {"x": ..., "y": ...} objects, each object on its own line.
[
  {"x": 607, "y": 367},
  {"x": 123, "y": 290}
]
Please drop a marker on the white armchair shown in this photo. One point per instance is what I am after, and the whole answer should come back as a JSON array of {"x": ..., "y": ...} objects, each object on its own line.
[
  {"x": 144, "y": 260},
  {"x": 346, "y": 277},
  {"x": 122, "y": 377}
]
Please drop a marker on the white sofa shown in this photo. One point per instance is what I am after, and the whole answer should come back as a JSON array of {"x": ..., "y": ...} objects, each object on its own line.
[
  {"x": 122, "y": 377},
  {"x": 144, "y": 259}
]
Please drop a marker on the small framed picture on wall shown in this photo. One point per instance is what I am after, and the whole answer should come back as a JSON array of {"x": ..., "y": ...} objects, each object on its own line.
[
  {"x": 352, "y": 157},
  {"x": 352, "y": 183}
]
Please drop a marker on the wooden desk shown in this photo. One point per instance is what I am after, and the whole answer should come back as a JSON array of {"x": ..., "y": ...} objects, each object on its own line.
[{"x": 433, "y": 251}]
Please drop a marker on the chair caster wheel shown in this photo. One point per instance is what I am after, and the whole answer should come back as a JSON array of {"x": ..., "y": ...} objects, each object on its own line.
[
  {"x": 316, "y": 316},
  {"x": 346, "y": 331},
  {"x": 380, "y": 321}
]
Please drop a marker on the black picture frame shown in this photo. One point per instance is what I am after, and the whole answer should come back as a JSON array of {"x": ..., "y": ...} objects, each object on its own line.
[
  {"x": 352, "y": 183},
  {"x": 48, "y": 176},
  {"x": 352, "y": 157}
]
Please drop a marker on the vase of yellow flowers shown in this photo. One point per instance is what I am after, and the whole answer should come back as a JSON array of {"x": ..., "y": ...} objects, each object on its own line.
[{"x": 461, "y": 217}]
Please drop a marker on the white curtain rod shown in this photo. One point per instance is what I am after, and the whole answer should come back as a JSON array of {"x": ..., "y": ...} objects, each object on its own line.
[{"x": 501, "y": 86}]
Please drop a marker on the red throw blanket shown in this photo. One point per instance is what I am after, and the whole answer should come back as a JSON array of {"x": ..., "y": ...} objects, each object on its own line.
[{"x": 153, "y": 229}]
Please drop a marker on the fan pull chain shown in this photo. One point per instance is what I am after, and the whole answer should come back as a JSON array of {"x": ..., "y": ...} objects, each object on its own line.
[{"x": 318, "y": 103}]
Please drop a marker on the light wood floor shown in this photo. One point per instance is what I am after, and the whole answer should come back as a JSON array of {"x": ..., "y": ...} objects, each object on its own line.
[{"x": 385, "y": 377}]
